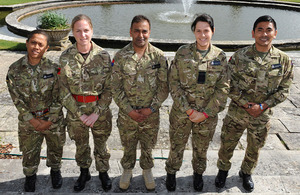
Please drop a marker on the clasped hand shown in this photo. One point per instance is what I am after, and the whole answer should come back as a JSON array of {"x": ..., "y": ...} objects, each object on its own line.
[
  {"x": 89, "y": 120},
  {"x": 140, "y": 115},
  {"x": 195, "y": 116},
  {"x": 39, "y": 124},
  {"x": 253, "y": 109}
]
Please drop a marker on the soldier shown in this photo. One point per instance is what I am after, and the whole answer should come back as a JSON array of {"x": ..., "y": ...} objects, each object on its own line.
[
  {"x": 33, "y": 85},
  {"x": 139, "y": 85},
  {"x": 260, "y": 79},
  {"x": 199, "y": 86},
  {"x": 85, "y": 92}
]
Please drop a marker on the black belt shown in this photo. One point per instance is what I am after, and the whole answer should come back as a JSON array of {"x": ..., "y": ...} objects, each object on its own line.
[
  {"x": 40, "y": 113},
  {"x": 137, "y": 107}
]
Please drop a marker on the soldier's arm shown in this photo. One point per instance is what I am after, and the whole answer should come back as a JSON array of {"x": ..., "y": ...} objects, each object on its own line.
[
  {"x": 283, "y": 90},
  {"x": 118, "y": 88},
  {"x": 162, "y": 85},
  {"x": 106, "y": 95},
  {"x": 56, "y": 106},
  {"x": 218, "y": 100},
  {"x": 235, "y": 93},
  {"x": 65, "y": 95},
  {"x": 177, "y": 93},
  {"x": 17, "y": 97}
]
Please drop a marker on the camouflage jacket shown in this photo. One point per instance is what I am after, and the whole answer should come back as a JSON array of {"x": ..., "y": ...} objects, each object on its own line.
[
  {"x": 85, "y": 77},
  {"x": 199, "y": 83},
  {"x": 139, "y": 82},
  {"x": 34, "y": 90},
  {"x": 260, "y": 81}
]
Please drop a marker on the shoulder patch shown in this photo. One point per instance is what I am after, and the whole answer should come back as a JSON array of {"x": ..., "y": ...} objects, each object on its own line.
[
  {"x": 58, "y": 71},
  {"x": 113, "y": 62}
]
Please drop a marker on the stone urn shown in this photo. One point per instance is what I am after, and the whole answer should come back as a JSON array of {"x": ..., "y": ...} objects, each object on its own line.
[{"x": 59, "y": 39}]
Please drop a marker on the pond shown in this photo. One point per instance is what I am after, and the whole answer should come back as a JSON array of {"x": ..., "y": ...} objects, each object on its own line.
[{"x": 231, "y": 22}]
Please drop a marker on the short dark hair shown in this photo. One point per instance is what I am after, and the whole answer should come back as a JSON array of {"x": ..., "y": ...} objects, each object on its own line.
[
  {"x": 265, "y": 18},
  {"x": 140, "y": 18},
  {"x": 203, "y": 18},
  {"x": 38, "y": 31}
]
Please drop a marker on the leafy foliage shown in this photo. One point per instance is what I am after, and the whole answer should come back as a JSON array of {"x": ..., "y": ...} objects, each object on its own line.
[{"x": 53, "y": 21}]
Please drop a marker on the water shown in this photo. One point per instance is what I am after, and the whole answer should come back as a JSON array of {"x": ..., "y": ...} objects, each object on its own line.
[{"x": 168, "y": 21}]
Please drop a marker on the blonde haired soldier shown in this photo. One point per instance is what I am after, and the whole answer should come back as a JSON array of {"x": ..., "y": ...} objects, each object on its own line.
[{"x": 85, "y": 92}]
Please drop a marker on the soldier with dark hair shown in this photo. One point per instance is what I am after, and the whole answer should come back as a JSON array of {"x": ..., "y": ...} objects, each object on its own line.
[
  {"x": 139, "y": 85},
  {"x": 33, "y": 85},
  {"x": 260, "y": 79},
  {"x": 199, "y": 86}
]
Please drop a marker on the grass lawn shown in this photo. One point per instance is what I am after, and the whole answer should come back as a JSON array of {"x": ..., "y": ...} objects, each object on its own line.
[
  {"x": 297, "y": 1},
  {"x": 13, "y": 2},
  {"x": 11, "y": 45}
]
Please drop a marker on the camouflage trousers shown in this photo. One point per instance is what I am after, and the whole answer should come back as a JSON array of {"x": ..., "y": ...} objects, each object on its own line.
[
  {"x": 234, "y": 124},
  {"x": 180, "y": 129},
  {"x": 101, "y": 130},
  {"x": 31, "y": 141},
  {"x": 132, "y": 132}
]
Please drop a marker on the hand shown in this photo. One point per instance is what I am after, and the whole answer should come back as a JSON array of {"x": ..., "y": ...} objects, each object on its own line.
[
  {"x": 197, "y": 117},
  {"x": 145, "y": 111},
  {"x": 90, "y": 120},
  {"x": 83, "y": 117},
  {"x": 138, "y": 117},
  {"x": 255, "y": 110},
  {"x": 35, "y": 123},
  {"x": 45, "y": 125}
]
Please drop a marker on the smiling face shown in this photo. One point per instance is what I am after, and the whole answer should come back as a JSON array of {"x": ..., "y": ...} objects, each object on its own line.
[
  {"x": 83, "y": 33},
  {"x": 203, "y": 34},
  {"x": 264, "y": 34},
  {"x": 140, "y": 33},
  {"x": 36, "y": 47}
]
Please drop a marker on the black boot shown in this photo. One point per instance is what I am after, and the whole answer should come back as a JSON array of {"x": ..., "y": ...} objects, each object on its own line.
[
  {"x": 198, "y": 182},
  {"x": 30, "y": 183},
  {"x": 105, "y": 180},
  {"x": 56, "y": 179},
  {"x": 83, "y": 178},
  {"x": 247, "y": 181},
  {"x": 171, "y": 182},
  {"x": 221, "y": 179}
]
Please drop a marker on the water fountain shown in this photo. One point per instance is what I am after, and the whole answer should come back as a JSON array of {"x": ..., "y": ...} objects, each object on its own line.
[
  {"x": 171, "y": 21},
  {"x": 178, "y": 16}
]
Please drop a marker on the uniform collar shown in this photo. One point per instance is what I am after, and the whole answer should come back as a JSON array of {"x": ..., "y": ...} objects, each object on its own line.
[
  {"x": 130, "y": 50},
  {"x": 272, "y": 53},
  {"x": 198, "y": 55},
  {"x": 79, "y": 57}
]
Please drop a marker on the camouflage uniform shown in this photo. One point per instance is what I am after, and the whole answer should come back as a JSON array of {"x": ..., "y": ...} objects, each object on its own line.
[
  {"x": 31, "y": 91},
  {"x": 207, "y": 94},
  {"x": 90, "y": 77},
  {"x": 139, "y": 83},
  {"x": 253, "y": 80}
]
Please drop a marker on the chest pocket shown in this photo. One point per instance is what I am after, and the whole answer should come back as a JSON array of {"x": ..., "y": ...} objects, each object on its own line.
[
  {"x": 46, "y": 81},
  {"x": 23, "y": 85},
  {"x": 188, "y": 73},
  {"x": 214, "y": 69},
  {"x": 152, "y": 74},
  {"x": 129, "y": 76},
  {"x": 247, "y": 74},
  {"x": 275, "y": 76}
]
